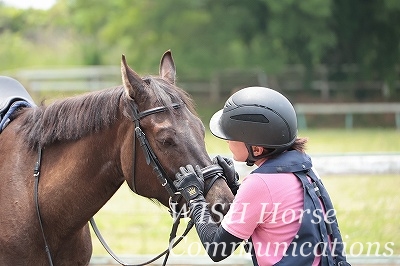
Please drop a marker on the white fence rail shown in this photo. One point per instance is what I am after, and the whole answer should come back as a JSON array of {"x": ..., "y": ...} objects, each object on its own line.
[
  {"x": 347, "y": 109},
  {"x": 70, "y": 79}
]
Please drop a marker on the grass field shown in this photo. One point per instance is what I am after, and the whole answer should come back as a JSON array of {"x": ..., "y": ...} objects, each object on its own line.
[
  {"x": 333, "y": 141},
  {"x": 368, "y": 206}
]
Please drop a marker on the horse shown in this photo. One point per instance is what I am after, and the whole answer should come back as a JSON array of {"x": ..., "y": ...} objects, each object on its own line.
[{"x": 84, "y": 148}]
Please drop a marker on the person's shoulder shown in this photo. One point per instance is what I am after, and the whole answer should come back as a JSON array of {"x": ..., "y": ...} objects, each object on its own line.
[
  {"x": 267, "y": 177},
  {"x": 262, "y": 180},
  {"x": 255, "y": 180},
  {"x": 253, "y": 188}
]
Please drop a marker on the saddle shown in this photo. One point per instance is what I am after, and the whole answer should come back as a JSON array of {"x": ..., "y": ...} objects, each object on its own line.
[{"x": 12, "y": 96}]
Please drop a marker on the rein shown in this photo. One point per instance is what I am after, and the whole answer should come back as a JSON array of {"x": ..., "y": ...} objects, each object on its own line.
[{"x": 212, "y": 171}]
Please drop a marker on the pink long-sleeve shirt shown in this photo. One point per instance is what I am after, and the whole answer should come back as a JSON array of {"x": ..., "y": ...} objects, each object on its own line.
[{"x": 267, "y": 208}]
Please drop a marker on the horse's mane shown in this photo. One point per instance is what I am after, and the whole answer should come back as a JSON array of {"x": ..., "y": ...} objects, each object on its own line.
[{"x": 75, "y": 117}]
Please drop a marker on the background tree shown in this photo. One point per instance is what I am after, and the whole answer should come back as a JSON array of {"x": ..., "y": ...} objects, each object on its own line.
[
  {"x": 367, "y": 38},
  {"x": 208, "y": 36}
]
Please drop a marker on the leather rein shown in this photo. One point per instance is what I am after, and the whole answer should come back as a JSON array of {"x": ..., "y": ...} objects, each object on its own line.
[{"x": 212, "y": 172}]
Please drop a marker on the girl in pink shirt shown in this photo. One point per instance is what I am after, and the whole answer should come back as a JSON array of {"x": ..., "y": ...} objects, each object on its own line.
[{"x": 281, "y": 207}]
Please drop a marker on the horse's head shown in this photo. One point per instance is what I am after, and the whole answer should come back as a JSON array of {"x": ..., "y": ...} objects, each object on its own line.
[{"x": 173, "y": 136}]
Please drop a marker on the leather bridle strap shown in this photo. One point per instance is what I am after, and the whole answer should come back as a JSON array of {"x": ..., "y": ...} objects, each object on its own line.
[
  {"x": 214, "y": 172},
  {"x": 36, "y": 175},
  {"x": 151, "y": 158}
]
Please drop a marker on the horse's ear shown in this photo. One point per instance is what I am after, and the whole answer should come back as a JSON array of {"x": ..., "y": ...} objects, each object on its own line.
[
  {"x": 167, "y": 67},
  {"x": 133, "y": 83}
]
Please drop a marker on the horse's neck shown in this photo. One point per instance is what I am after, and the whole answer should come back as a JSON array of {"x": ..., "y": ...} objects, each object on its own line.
[{"x": 76, "y": 180}]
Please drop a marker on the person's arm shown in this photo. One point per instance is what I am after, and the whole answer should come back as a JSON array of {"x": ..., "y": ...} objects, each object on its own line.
[{"x": 218, "y": 243}]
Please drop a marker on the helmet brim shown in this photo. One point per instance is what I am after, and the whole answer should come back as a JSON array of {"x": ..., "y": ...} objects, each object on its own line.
[{"x": 215, "y": 125}]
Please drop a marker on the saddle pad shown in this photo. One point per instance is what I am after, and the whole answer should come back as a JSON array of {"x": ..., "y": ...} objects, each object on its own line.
[
  {"x": 11, "y": 90},
  {"x": 4, "y": 120}
]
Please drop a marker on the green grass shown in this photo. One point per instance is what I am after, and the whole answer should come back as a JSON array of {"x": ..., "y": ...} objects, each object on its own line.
[
  {"x": 368, "y": 211},
  {"x": 368, "y": 206},
  {"x": 333, "y": 141},
  {"x": 352, "y": 141}
]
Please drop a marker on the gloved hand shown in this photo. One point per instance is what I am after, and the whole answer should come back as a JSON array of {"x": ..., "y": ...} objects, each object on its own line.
[
  {"x": 189, "y": 182},
  {"x": 232, "y": 177}
]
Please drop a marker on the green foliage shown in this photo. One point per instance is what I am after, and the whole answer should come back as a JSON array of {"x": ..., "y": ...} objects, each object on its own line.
[
  {"x": 30, "y": 38},
  {"x": 207, "y": 36},
  {"x": 367, "y": 37}
]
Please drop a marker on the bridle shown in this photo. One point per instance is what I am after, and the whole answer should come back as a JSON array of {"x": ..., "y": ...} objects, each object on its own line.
[
  {"x": 151, "y": 158},
  {"x": 212, "y": 172}
]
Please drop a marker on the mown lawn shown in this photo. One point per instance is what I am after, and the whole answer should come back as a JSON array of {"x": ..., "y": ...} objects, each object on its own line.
[{"x": 368, "y": 206}]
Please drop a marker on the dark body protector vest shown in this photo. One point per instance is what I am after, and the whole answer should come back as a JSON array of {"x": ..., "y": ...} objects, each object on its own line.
[{"x": 314, "y": 233}]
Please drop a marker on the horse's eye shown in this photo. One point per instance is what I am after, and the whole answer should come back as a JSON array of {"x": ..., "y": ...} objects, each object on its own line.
[
  {"x": 167, "y": 142},
  {"x": 166, "y": 138}
]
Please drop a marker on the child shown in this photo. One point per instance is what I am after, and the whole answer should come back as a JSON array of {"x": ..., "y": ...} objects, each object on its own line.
[{"x": 281, "y": 208}]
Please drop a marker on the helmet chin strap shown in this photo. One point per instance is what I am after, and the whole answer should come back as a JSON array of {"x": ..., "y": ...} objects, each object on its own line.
[
  {"x": 251, "y": 159},
  {"x": 249, "y": 162}
]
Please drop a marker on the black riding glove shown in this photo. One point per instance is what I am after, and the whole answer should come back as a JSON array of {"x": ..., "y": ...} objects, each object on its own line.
[
  {"x": 190, "y": 184},
  {"x": 232, "y": 177}
]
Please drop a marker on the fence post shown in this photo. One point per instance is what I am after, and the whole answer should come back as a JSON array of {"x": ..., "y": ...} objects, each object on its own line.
[
  {"x": 349, "y": 121},
  {"x": 301, "y": 119},
  {"x": 214, "y": 89}
]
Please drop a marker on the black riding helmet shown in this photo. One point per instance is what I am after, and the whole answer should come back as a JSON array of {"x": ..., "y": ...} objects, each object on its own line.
[{"x": 257, "y": 116}]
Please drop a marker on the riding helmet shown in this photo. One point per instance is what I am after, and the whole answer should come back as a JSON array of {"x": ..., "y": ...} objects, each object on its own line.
[{"x": 257, "y": 116}]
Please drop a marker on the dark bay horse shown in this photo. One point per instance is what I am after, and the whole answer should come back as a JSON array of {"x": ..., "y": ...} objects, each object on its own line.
[{"x": 89, "y": 148}]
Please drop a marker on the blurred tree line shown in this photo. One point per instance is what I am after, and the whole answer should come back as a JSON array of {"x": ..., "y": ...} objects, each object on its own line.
[{"x": 207, "y": 35}]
